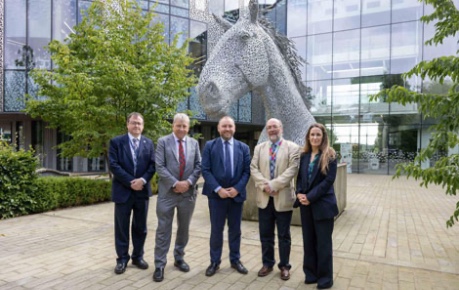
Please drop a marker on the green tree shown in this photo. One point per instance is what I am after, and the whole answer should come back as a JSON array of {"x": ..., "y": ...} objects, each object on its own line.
[
  {"x": 115, "y": 62},
  {"x": 442, "y": 107}
]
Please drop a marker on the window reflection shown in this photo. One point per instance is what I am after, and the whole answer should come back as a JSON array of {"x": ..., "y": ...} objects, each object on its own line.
[
  {"x": 64, "y": 18},
  {"x": 319, "y": 57},
  {"x": 406, "y": 46},
  {"x": 375, "y": 12},
  {"x": 39, "y": 33},
  {"x": 15, "y": 34},
  {"x": 320, "y": 14}
]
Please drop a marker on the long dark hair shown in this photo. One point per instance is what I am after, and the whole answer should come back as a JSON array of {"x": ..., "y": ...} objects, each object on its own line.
[{"x": 328, "y": 153}]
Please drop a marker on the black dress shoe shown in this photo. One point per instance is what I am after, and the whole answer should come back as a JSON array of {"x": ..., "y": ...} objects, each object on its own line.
[
  {"x": 158, "y": 275},
  {"x": 140, "y": 263},
  {"x": 212, "y": 269},
  {"x": 182, "y": 266},
  {"x": 239, "y": 267},
  {"x": 120, "y": 268},
  {"x": 325, "y": 286}
]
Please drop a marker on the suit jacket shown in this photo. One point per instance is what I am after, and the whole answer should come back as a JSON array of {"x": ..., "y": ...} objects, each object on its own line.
[
  {"x": 168, "y": 165},
  {"x": 122, "y": 167},
  {"x": 319, "y": 188},
  {"x": 214, "y": 173},
  {"x": 287, "y": 160}
]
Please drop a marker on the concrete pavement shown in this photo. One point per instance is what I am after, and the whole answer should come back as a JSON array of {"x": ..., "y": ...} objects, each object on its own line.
[{"x": 392, "y": 235}]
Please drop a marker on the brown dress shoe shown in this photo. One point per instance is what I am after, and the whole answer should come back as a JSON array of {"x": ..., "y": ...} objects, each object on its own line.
[
  {"x": 285, "y": 273},
  {"x": 265, "y": 270}
]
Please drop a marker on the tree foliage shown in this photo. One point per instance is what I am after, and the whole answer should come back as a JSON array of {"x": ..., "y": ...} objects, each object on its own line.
[
  {"x": 115, "y": 62},
  {"x": 444, "y": 108}
]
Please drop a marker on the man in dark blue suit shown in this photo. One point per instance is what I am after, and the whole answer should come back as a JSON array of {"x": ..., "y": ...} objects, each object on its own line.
[
  {"x": 226, "y": 171},
  {"x": 132, "y": 163}
]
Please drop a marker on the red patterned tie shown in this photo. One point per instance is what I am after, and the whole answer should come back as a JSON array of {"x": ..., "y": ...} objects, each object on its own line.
[{"x": 181, "y": 159}]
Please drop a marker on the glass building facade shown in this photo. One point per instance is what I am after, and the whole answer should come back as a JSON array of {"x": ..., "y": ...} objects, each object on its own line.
[{"x": 353, "y": 49}]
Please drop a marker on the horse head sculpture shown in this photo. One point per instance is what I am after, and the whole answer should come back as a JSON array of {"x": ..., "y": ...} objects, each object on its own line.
[{"x": 252, "y": 56}]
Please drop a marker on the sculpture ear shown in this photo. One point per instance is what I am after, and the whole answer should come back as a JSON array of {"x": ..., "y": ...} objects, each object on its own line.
[
  {"x": 226, "y": 25},
  {"x": 253, "y": 8}
]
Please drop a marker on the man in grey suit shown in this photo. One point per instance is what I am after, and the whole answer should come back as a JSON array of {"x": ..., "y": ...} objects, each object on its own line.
[{"x": 178, "y": 163}]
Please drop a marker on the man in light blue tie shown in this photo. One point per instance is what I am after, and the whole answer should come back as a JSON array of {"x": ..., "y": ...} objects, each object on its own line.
[{"x": 226, "y": 171}]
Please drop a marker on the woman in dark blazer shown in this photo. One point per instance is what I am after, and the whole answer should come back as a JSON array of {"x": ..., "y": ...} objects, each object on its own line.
[{"x": 317, "y": 201}]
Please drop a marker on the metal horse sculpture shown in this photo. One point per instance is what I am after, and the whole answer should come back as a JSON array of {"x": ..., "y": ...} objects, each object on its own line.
[{"x": 251, "y": 55}]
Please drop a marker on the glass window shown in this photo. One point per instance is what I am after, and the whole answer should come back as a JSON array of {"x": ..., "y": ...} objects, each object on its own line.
[
  {"x": 319, "y": 57},
  {"x": 320, "y": 14},
  {"x": 320, "y": 96},
  {"x": 39, "y": 33},
  {"x": 406, "y": 50},
  {"x": 346, "y": 54},
  {"x": 195, "y": 105},
  {"x": 180, "y": 12},
  {"x": 15, "y": 83},
  {"x": 15, "y": 34},
  {"x": 345, "y": 98},
  {"x": 179, "y": 26},
  {"x": 406, "y": 10},
  {"x": 375, "y": 12},
  {"x": 448, "y": 47},
  {"x": 300, "y": 45},
  {"x": 164, "y": 19},
  {"x": 64, "y": 18},
  {"x": 296, "y": 18},
  {"x": 347, "y": 15},
  {"x": 161, "y": 8},
  {"x": 198, "y": 44},
  {"x": 180, "y": 3},
  {"x": 245, "y": 108},
  {"x": 375, "y": 51},
  {"x": 217, "y": 7},
  {"x": 82, "y": 7}
]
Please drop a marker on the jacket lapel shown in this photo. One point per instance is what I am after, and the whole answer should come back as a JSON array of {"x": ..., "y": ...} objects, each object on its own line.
[
  {"x": 127, "y": 148},
  {"x": 171, "y": 144},
  {"x": 189, "y": 151},
  {"x": 280, "y": 157},
  {"x": 235, "y": 156}
]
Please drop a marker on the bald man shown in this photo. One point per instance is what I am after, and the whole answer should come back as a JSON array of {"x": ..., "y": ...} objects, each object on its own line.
[{"x": 273, "y": 168}]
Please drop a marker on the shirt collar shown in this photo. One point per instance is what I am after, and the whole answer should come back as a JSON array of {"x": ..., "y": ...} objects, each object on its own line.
[
  {"x": 132, "y": 137},
  {"x": 177, "y": 139},
  {"x": 231, "y": 141},
  {"x": 278, "y": 142}
]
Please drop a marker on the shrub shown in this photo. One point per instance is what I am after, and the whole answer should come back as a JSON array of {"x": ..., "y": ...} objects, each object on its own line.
[
  {"x": 17, "y": 180},
  {"x": 61, "y": 192}
]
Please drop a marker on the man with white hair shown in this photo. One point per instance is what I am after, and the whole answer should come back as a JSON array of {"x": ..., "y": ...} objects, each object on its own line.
[
  {"x": 273, "y": 169},
  {"x": 178, "y": 163}
]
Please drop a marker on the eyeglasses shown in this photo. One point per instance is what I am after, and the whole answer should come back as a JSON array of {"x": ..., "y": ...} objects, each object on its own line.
[{"x": 135, "y": 123}]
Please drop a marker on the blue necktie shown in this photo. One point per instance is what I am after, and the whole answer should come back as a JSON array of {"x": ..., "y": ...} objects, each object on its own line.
[{"x": 228, "y": 172}]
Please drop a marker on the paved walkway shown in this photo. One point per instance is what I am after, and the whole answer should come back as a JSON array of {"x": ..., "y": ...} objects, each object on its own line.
[{"x": 392, "y": 235}]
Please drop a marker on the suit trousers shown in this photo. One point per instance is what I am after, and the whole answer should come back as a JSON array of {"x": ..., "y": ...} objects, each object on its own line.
[
  {"x": 268, "y": 218},
  {"x": 138, "y": 205},
  {"x": 318, "y": 248},
  {"x": 220, "y": 210},
  {"x": 165, "y": 211}
]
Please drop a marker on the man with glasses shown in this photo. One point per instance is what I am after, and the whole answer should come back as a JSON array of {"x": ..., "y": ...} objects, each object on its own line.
[{"x": 132, "y": 163}]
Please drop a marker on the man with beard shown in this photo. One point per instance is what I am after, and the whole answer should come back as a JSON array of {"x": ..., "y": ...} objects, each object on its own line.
[
  {"x": 226, "y": 171},
  {"x": 273, "y": 168}
]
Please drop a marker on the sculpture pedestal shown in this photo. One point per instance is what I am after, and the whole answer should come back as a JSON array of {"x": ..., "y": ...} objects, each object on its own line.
[{"x": 250, "y": 211}]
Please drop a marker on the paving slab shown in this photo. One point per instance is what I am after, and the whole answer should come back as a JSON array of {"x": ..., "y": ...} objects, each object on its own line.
[{"x": 392, "y": 235}]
